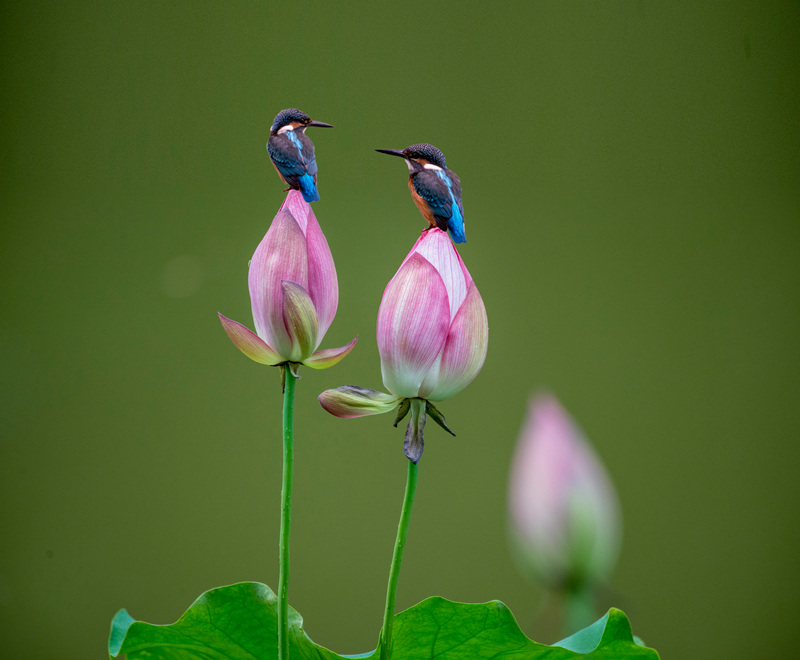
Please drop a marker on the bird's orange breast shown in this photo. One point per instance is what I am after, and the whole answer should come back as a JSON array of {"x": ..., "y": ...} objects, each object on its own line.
[{"x": 422, "y": 205}]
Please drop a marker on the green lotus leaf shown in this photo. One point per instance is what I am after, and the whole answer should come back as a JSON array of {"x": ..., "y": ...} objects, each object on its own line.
[{"x": 241, "y": 621}]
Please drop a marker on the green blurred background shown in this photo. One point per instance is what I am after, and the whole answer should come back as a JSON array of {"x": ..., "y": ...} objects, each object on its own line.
[{"x": 631, "y": 177}]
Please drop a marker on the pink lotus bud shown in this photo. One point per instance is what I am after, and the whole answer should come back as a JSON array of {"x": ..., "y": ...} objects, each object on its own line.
[
  {"x": 564, "y": 511},
  {"x": 293, "y": 292},
  {"x": 433, "y": 332}
]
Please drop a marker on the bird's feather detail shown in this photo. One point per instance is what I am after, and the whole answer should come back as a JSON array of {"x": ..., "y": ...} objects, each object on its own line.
[
  {"x": 293, "y": 155},
  {"x": 437, "y": 193}
]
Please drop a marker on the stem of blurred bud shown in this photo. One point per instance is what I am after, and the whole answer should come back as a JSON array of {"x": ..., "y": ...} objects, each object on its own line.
[{"x": 579, "y": 609}]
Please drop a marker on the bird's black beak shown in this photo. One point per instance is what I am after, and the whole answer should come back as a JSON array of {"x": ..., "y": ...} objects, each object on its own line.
[
  {"x": 318, "y": 124},
  {"x": 392, "y": 152}
]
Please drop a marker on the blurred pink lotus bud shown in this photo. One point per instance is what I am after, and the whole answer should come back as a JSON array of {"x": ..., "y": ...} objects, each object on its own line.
[
  {"x": 293, "y": 293},
  {"x": 565, "y": 515},
  {"x": 433, "y": 332}
]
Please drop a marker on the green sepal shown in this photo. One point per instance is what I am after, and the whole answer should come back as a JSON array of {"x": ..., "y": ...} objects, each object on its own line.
[
  {"x": 402, "y": 411},
  {"x": 293, "y": 367},
  {"x": 414, "y": 442},
  {"x": 437, "y": 417}
]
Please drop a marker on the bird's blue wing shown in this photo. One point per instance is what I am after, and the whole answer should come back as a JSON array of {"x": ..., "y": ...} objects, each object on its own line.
[
  {"x": 441, "y": 190},
  {"x": 306, "y": 148},
  {"x": 456, "y": 222},
  {"x": 455, "y": 185},
  {"x": 436, "y": 193},
  {"x": 292, "y": 153},
  {"x": 286, "y": 158}
]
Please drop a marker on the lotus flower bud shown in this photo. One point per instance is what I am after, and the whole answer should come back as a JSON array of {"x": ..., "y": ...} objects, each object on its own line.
[
  {"x": 432, "y": 338},
  {"x": 565, "y": 516},
  {"x": 293, "y": 292},
  {"x": 433, "y": 332}
]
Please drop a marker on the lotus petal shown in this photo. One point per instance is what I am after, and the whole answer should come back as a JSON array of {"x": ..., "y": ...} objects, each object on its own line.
[
  {"x": 464, "y": 351},
  {"x": 281, "y": 256},
  {"x": 350, "y": 401},
  {"x": 300, "y": 319},
  {"x": 329, "y": 356},
  {"x": 249, "y": 343},
  {"x": 413, "y": 321}
]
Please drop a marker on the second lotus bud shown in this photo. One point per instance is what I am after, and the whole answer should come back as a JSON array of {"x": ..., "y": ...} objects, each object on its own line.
[{"x": 433, "y": 332}]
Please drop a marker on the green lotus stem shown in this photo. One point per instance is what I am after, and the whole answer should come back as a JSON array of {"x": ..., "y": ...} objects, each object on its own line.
[
  {"x": 397, "y": 558},
  {"x": 286, "y": 512},
  {"x": 579, "y": 609}
]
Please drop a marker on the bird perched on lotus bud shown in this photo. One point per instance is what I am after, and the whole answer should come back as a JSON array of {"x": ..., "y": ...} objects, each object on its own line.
[
  {"x": 292, "y": 151},
  {"x": 435, "y": 190}
]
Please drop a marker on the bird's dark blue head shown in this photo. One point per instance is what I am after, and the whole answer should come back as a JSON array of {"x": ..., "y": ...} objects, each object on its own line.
[
  {"x": 425, "y": 151},
  {"x": 294, "y": 117},
  {"x": 420, "y": 154}
]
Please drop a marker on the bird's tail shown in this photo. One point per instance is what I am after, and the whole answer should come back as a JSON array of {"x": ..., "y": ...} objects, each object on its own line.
[
  {"x": 308, "y": 188},
  {"x": 456, "y": 225}
]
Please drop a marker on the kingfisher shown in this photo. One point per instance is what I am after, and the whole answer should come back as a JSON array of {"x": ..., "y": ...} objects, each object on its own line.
[
  {"x": 292, "y": 151},
  {"x": 435, "y": 189}
]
